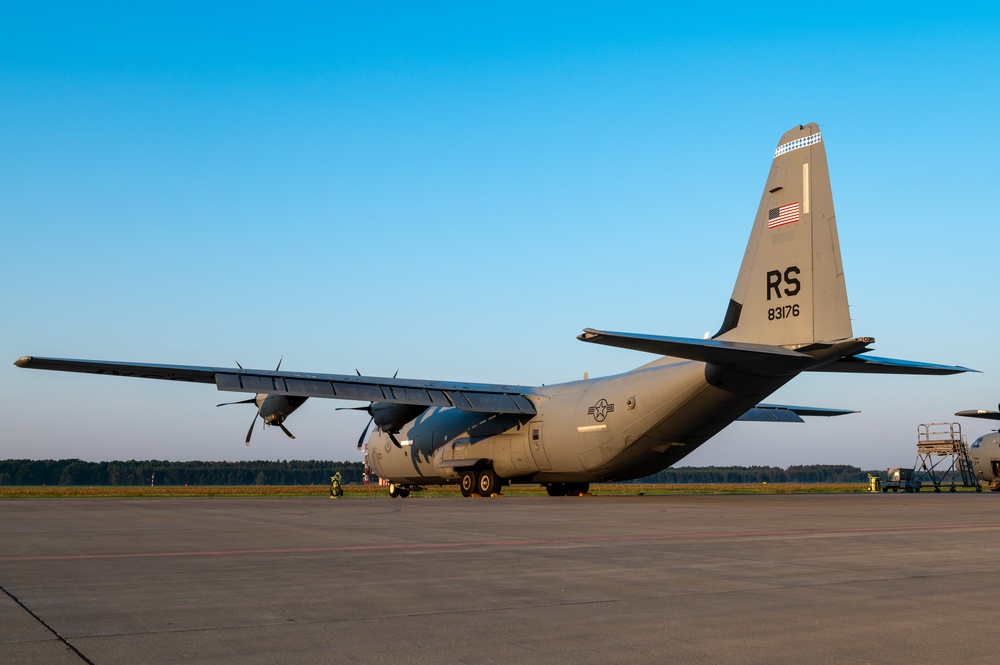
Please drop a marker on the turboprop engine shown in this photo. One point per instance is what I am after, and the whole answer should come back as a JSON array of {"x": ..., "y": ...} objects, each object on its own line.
[
  {"x": 272, "y": 409},
  {"x": 389, "y": 417}
]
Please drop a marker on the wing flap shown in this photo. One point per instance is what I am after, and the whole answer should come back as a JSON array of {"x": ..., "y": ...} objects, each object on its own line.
[
  {"x": 473, "y": 397},
  {"x": 477, "y": 398}
]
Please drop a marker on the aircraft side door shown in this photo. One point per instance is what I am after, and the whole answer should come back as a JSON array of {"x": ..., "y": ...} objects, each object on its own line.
[{"x": 536, "y": 443}]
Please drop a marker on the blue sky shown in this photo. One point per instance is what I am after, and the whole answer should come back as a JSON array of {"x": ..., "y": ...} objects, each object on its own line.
[{"x": 455, "y": 192}]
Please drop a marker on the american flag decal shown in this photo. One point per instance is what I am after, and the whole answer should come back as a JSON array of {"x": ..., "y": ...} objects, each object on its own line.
[{"x": 786, "y": 214}]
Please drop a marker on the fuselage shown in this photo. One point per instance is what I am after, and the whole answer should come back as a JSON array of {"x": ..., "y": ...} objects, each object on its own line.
[
  {"x": 985, "y": 454},
  {"x": 612, "y": 428}
]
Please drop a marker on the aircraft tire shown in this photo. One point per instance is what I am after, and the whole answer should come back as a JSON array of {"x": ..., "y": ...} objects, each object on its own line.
[
  {"x": 556, "y": 489},
  {"x": 489, "y": 483},
  {"x": 393, "y": 490},
  {"x": 577, "y": 489},
  {"x": 404, "y": 492},
  {"x": 468, "y": 483}
]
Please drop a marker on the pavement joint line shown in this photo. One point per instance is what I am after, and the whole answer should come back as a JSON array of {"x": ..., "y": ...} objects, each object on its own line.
[
  {"x": 513, "y": 542},
  {"x": 47, "y": 626}
]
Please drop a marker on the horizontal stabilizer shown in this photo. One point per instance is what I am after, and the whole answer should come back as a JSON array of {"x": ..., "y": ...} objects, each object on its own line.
[
  {"x": 873, "y": 365},
  {"x": 712, "y": 351},
  {"x": 979, "y": 413},
  {"x": 472, "y": 397},
  {"x": 782, "y": 413}
]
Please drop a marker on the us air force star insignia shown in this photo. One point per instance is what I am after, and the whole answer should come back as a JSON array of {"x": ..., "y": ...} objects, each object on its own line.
[{"x": 601, "y": 410}]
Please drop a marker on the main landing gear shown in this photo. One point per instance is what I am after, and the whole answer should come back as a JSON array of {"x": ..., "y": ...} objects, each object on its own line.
[
  {"x": 484, "y": 482},
  {"x": 398, "y": 491}
]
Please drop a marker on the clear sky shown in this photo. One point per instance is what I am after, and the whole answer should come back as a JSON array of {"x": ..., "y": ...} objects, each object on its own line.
[{"x": 455, "y": 191}]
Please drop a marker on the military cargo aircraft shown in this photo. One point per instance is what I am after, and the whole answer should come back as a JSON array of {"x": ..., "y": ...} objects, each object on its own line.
[
  {"x": 985, "y": 451},
  {"x": 788, "y": 314}
]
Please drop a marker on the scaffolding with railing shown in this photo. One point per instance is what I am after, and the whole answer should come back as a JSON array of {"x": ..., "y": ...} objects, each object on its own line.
[{"x": 943, "y": 457}]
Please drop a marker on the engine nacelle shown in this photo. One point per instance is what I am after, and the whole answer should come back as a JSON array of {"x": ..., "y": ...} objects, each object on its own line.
[
  {"x": 274, "y": 409},
  {"x": 390, "y": 417}
]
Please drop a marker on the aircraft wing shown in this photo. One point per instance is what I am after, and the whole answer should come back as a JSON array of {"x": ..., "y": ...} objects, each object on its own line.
[
  {"x": 979, "y": 413},
  {"x": 782, "y": 413},
  {"x": 873, "y": 365},
  {"x": 472, "y": 397}
]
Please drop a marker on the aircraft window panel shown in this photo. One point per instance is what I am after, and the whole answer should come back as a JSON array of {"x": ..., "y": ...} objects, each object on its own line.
[
  {"x": 535, "y": 435},
  {"x": 977, "y": 442}
]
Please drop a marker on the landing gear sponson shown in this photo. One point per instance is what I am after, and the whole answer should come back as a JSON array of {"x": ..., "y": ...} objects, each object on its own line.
[{"x": 485, "y": 482}]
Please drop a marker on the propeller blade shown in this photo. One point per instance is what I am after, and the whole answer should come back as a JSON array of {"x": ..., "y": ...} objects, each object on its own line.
[
  {"x": 250, "y": 431},
  {"x": 238, "y": 364},
  {"x": 395, "y": 441},
  {"x": 361, "y": 439},
  {"x": 290, "y": 435},
  {"x": 246, "y": 401},
  {"x": 352, "y": 408},
  {"x": 279, "y": 367}
]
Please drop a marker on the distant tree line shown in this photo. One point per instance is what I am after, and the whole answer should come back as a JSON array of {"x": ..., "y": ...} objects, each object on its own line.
[
  {"x": 813, "y": 473},
  {"x": 132, "y": 472},
  {"x": 318, "y": 472}
]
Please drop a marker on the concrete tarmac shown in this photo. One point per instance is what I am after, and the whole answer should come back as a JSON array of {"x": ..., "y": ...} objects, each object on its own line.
[{"x": 833, "y": 578}]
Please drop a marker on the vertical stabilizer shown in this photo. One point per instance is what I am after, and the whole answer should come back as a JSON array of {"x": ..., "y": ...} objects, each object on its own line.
[{"x": 790, "y": 289}]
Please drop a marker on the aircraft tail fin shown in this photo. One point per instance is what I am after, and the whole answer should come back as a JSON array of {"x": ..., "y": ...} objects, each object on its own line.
[{"x": 790, "y": 289}]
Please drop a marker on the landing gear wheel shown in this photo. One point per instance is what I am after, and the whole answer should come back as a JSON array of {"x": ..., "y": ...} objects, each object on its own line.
[
  {"x": 394, "y": 490},
  {"x": 489, "y": 483},
  {"x": 468, "y": 483},
  {"x": 404, "y": 492},
  {"x": 577, "y": 489},
  {"x": 556, "y": 489}
]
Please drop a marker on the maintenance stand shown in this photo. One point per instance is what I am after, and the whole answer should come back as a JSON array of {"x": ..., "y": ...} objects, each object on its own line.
[{"x": 942, "y": 455}]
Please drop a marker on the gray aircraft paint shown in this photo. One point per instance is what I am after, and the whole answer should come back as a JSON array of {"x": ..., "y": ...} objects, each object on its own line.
[
  {"x": 985, "y": 451},
  {"x": 788, "y": 313}
]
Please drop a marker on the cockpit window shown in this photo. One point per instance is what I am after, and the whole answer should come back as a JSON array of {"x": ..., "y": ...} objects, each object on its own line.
[{"x": 975, "y": 444}]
